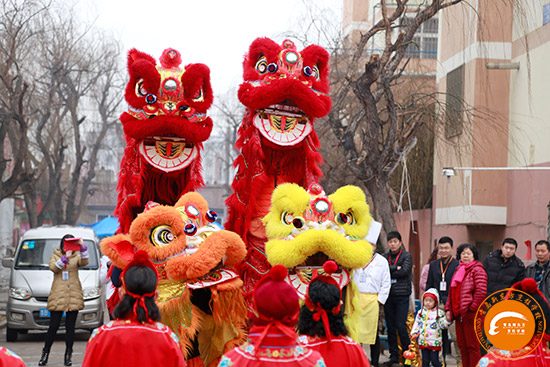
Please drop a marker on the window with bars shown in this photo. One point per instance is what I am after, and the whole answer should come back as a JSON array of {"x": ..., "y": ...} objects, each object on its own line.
[
  {"x": 454, "y": 102},
  {"x": 424, "y": 43}
]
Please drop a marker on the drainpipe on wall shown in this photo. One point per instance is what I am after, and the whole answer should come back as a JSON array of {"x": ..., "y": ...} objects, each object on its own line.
[{"x": 548, "y": 224}]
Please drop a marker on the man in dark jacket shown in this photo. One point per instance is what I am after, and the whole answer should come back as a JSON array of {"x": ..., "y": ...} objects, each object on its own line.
[
  {"x": 503, "y": 267},
  {"x": 539, "y": 269},
  {"x": 440, "y": 273},
  {"x": 396, "y": 307}
]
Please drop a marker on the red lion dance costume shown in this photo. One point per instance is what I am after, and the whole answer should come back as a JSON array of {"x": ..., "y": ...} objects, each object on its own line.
[
  {"x": 284, "y": 91},
  {"x": 164, "y": 127}
]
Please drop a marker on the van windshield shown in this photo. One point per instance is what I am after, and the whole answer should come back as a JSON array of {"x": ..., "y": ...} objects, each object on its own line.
[{"x": 35, "y": 254}]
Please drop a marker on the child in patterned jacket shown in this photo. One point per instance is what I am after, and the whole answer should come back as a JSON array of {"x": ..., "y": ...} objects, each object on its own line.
[{"x": 428, "y": 324}]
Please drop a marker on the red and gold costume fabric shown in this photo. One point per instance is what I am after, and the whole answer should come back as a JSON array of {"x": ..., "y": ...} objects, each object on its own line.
[
  {"x": 276, "y": 349},
  {"x": 131, "y": 343},
  {"x": 200, "y": 296},
  {"x": 341, "y": 351},
  {"x": 540, "y": 357},
  {"x": 284, "y": 91},
  {"x": 164, "y": 128}
]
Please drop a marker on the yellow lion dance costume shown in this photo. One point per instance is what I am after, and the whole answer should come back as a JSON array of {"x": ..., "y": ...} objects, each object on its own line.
[{"x": 307, "y": 228}]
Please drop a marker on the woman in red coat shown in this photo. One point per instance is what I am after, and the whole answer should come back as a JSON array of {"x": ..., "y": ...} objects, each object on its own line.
[
  {"x": 135, "y": 338},
  {"x": 322, "y": 325},
  {"x": 468, "y": 290}
]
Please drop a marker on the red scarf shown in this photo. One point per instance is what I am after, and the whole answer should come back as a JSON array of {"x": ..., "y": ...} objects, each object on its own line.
[{"x": 461, "y": 272}]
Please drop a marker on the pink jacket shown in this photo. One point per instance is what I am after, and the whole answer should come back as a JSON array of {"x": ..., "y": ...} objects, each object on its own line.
[{"x": 473, "y": 290}]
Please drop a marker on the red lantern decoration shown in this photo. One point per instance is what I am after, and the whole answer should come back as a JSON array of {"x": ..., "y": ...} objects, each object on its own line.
[{"x": 409, "y": 356}]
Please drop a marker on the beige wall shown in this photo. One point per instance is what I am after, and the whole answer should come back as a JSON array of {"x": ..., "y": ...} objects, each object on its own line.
[
  {"x": 494, "y": 23},
  {"x": 457, "y": 24},
  {"x": 475, "y": 196},
  {"x": 530, "y": 105},
  {"x": 527, "y": 17}
]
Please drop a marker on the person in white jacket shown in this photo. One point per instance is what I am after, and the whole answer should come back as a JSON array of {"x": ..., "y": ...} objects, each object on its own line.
[
  {"x": 374, "y": 284},
  {"x": 105, "y": 277},
  {"x": 428, "y": 324}
]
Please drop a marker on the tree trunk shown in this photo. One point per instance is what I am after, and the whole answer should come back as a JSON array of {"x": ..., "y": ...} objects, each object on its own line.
[
  {"x": 382, "y": 204},
  {"x": 30, "y": 203}
]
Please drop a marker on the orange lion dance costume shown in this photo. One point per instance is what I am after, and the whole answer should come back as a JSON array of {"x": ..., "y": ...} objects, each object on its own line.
[
  {"x": 200, "y": 297},
  {"x": 284, "y": 91}
]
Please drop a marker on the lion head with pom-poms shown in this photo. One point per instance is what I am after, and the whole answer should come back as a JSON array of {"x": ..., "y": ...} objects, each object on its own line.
[
  {"x": 285, "y": 90},
  {"x": 200, "y": 296},
  {"x": 164, "y": 127},
  {"x": 308, "y": 228}
]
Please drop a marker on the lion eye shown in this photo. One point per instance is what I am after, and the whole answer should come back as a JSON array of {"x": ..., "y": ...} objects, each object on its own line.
[
  {"x": 342, "y": 218},
  {"x": 298, "y": 222},
  {"x": 140, "y": 89},
  {"x": 312, "y": 72},
  {"x": 162, "y": 236},
  {"x": 198, "y": 96},
  {"x": 261, "y": 65},
  {"x": 287, "y": 218}
]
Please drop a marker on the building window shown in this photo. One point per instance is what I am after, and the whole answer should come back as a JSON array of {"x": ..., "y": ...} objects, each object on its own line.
[
  {"x": 454, "y": 102},
  {"x": 484, "y": 248},
  {"x": 99, "y": 217},
  {"x": 424, "y": 42}
]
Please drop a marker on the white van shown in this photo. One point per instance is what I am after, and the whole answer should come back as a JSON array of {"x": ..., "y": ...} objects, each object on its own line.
[{"x": 31, "y": 281}]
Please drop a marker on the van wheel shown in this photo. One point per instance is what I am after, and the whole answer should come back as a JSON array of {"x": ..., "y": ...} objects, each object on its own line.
[{"x": 11, "y": 335}]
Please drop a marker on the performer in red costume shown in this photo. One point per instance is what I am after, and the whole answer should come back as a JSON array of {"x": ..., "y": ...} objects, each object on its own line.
[
  {"x": 164, "y": 128},
  {"x": 272, "y": 338},
  {"x": 10, "y": 359},
  {"x": 322, "y": 326},
  {"x": 135, "y": 338},
  {"x": 284, "y": 91}
]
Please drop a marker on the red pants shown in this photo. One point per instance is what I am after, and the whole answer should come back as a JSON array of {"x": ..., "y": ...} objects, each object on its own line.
[{"x": 467, "y": 340}]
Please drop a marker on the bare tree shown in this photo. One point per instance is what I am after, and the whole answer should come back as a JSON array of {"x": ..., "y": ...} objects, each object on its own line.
[
  {"x": 230, "y": 113},
  {"x": 73, "y": 74},
  {"x": 17, "y": 34},
  {"x": 374, "y": 119}
]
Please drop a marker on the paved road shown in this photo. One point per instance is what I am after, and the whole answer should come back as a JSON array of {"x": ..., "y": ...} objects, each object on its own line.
[{"x": 29, "y": 346}]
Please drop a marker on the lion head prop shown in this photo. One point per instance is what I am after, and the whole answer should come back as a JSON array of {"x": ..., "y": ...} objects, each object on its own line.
[
  {"x": 307, "y": 228},
  {"x": 200, "y": 297},
  {"x": 164, "y": 127},
  {"x": 284, "y": 90}
]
